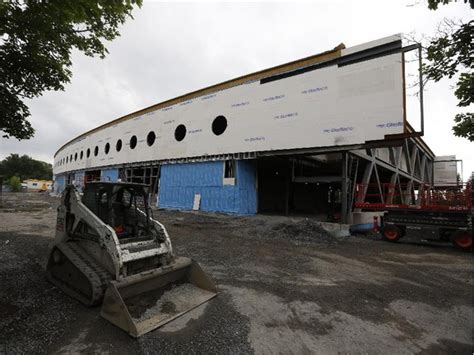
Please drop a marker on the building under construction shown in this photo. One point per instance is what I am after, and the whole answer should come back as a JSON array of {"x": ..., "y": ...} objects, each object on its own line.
[{"x": 297, "y": 138}]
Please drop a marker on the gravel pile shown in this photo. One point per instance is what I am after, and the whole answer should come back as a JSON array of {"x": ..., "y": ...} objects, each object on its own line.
[
  {"x": 296, "y": 230},
  {"x": 302, "y": 231}
]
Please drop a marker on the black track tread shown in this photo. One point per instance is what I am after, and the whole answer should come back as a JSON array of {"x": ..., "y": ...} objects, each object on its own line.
[{"x": 98, "y": 277}]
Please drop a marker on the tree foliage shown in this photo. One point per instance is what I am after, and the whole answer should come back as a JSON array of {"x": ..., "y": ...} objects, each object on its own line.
[
  {"x": 433, "y": 4},
  {"x": 36, "y": 41},
  {"x": 15, "y": 183},
  {"x": 451, "y": 53},
  {"x": 25, "y": 167}
]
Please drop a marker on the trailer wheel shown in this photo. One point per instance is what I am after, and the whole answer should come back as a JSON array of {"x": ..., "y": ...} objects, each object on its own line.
[
  {"x": 462, "y": 239},
  {"x": 391, "y": 233}
]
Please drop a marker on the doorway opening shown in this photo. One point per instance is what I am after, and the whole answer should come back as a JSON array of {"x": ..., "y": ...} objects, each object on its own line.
[
  {"x": 303, "y": 186},
  {"x": 148, "y": 175}
]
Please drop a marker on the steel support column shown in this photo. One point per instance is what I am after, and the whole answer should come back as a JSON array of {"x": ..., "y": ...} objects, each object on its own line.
[{"x": 344, "y": 188}]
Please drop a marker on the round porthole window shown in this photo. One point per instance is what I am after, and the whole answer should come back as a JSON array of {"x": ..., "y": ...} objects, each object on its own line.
[
  {"x": 219, "y": 125},
  {"x": 133, "y": 142},
  {"x": 107, "y": 148},
  {"x": 150, "y": 138},
  {"x": 82, "y": 154},
  {"x": 88, "y": 152},
  {"x": 96, "y": 151},
  {"x": 75, "y": 157},
  {"x": 118, "y": 145},
  {"x": 180, "y": 132}
]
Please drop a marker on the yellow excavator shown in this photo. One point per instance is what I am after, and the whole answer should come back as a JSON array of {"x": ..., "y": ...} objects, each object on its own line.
[{"x": 108, "y": 249}]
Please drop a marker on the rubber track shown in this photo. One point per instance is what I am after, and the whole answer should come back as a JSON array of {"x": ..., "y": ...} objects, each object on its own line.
[{"x": 98, "y": 277}]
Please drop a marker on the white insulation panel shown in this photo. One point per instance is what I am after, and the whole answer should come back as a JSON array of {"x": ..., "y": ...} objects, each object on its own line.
[
  {"x": 445, "y": 170},
  {"x": 329, "y": 106}
]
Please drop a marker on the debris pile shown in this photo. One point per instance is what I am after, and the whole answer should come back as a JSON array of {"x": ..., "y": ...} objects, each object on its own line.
[{"x": 303, "y": 231}]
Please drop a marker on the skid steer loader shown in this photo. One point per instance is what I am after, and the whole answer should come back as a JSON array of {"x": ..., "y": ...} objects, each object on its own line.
[{"x": 109, "y": 249}]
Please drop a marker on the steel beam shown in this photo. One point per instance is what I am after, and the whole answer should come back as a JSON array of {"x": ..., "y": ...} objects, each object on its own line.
[{"x": 344, "y": 190}]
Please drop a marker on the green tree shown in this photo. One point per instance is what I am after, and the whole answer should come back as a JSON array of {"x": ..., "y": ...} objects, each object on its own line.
[
  {"x": 36, "y": 41},
  {"x": 450, "y": 53},
  {"x": 15, "y": 183},
  {"x": 25, "y": 167}
]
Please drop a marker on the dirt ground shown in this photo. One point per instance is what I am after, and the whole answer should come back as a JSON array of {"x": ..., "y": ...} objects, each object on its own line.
[{"x": 284, "y": 287}]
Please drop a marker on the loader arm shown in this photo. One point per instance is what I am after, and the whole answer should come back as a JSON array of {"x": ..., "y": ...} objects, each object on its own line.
[
  {"x": 160, "y": 230},
  {"x": 70, "y": 215},
  {"x": 107, "y": 236}
]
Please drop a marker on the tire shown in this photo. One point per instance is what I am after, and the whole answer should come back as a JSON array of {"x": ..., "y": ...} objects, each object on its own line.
[
  {"x": 391, "y": 233},
  {"x": 462, "y": 239}
]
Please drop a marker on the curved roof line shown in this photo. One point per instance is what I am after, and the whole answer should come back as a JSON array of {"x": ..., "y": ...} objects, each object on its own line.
[{"x": 316, "y": 58}]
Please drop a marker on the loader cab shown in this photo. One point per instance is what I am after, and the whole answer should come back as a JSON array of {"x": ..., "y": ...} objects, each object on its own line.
[{"x": 123, "y": 206}]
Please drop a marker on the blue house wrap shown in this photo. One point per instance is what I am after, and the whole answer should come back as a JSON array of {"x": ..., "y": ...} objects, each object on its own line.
[
  {"x": 180, "y": 182},
  {"x": 79, "y": 180},
  {"x": 59, "y": 183},
  {"x": 109, "y": 175}
]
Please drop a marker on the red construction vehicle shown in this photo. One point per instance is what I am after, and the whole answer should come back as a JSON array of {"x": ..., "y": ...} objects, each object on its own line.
[{"x": 443, "y": 213}]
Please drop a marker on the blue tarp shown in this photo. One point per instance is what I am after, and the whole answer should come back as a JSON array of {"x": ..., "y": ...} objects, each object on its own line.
[{"x": 180, "y": 182}]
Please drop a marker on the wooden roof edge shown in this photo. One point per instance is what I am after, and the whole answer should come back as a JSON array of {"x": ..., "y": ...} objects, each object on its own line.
[{"x": 315, "y": 58}]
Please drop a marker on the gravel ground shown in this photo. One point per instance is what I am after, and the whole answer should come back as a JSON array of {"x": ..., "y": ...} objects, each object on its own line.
[{"x": 285, "y": 286}]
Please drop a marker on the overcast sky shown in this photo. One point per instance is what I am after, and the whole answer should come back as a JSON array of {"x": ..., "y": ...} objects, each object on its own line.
[{"x": 173, "y": 48}]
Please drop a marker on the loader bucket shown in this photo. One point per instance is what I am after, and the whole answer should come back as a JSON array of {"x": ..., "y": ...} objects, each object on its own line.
[{"x": 143, "y": 302}]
